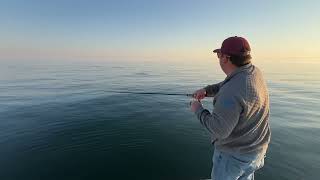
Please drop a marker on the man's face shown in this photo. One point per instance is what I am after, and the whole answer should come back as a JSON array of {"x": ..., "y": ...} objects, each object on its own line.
[{"x": 223, "y": 60}]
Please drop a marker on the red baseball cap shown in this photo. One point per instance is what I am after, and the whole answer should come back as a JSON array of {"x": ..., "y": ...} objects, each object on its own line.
[{"x": 237, "y": 46}]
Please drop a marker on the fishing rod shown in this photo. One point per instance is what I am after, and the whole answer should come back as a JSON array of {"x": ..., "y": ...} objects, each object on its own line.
[{"x": 151, "y": 93}]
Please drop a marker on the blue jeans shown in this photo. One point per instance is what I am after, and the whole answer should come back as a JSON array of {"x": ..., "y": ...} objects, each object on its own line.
[{"x": 228, "y": 166}]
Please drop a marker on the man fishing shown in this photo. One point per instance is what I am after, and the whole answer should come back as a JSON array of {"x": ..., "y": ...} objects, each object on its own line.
[{"x": 239, "y": 121}]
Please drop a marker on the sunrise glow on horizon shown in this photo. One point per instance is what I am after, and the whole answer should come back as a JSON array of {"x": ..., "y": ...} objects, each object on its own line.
[{"x": 156, "y": 29}]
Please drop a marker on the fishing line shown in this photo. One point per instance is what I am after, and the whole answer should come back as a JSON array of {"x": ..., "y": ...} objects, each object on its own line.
[{"x": 151, "y": 93}]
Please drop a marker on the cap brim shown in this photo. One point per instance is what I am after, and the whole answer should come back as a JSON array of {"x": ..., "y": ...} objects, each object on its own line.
[{"x": 217, "y": 50}]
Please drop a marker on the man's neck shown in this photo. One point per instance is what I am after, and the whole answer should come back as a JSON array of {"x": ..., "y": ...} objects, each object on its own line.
[{"x": 231, "y": 69}]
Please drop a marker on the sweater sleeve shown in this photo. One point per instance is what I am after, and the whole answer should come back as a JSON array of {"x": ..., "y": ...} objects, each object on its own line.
[
  {"x": 224, "y": 117},
  {"x": 213, "y": 89}
]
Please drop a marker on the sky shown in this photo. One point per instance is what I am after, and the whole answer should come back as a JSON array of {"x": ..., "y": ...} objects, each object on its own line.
[{"x": 156, "y": 30}]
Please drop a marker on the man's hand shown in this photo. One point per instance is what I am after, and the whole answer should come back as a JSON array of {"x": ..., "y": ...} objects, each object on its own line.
[
  {"x": 195, "y": 105},
  {"x": 200, "y": 94}
]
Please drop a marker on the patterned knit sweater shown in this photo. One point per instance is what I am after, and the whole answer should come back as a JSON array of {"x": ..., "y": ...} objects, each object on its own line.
[{"x": 239, "y": 122}]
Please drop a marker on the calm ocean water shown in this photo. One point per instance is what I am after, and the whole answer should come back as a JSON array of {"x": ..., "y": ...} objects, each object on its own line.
[{"x": 58, "y": 121}]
